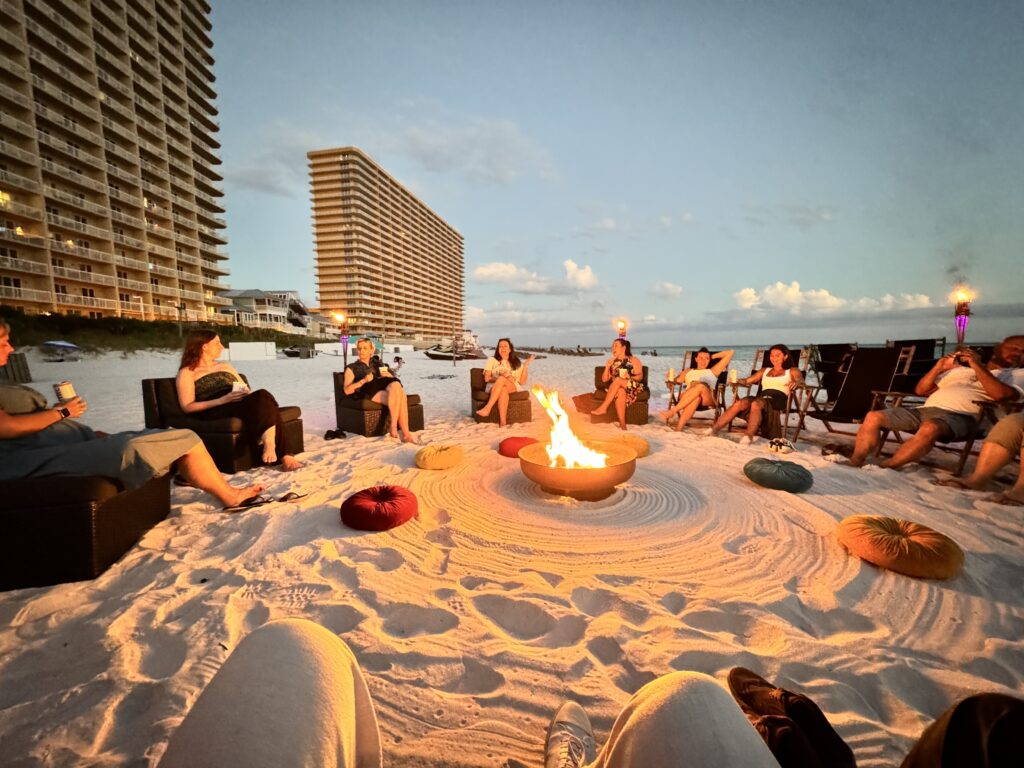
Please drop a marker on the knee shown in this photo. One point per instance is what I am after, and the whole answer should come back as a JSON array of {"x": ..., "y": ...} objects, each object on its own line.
[
  {"x": 263, "y": 397},
  {"x": 875, "y": 420},
  {"x": 929, "y": 431}
]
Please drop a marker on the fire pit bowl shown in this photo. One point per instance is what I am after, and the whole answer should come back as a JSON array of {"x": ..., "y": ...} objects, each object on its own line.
[{"x": 583, "y": 483}]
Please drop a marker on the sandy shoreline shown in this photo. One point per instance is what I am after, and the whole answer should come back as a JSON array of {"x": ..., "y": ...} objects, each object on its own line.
[{"x": 474, "y": 621}]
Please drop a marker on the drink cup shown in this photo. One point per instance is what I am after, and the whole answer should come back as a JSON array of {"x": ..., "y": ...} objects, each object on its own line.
[
  {"x": 671, "y": 375},
  {"x": 239, "y": 386},
  {"x": 64, "y": 390},
  {"x": 384, "y": 370},
  {"x": 623, "y": 373},
  {"x": 732, "y": 376}
]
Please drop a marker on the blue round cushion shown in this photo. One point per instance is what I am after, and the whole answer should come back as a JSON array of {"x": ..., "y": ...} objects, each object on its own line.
[{"x": 779, "y": 475}]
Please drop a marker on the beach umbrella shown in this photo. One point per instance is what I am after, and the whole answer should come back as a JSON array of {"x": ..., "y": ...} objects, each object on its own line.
[{"x": 60, "y": 345}]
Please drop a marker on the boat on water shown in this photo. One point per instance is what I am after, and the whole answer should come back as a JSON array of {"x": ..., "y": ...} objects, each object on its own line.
[
  {"x": 466, "y": 346},
  {"x": 60, "y": 351}
]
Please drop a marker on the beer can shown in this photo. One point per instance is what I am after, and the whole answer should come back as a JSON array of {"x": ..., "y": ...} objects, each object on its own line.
[{"x": 64, "y": 390}]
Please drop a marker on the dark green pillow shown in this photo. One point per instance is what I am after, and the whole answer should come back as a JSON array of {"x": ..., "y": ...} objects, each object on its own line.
[{"x": 779, "y": 475}]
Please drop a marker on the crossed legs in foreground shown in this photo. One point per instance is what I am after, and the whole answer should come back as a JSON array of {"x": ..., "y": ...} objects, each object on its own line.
[{"x": 1001, "y": 445}]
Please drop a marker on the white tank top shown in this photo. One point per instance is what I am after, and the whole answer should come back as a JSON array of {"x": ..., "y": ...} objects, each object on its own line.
[
  {"x": 781, "y": 383},
  {"x": 703, "y": 375}
]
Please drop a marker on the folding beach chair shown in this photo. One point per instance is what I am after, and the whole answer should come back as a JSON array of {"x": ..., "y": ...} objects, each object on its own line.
[
  {"x": 867, "y": 370},
  {"x": 926, "y": 352},
  {"x": 830, "y": 362},
  {"x": 795, "y": 402},
  {"x": 676, "y": 390}
]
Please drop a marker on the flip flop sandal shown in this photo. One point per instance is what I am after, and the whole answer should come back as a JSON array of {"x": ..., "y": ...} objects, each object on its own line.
[
  {"x": 836, "y": 449},
  {"x": 251, "y": 503},
  {"x": 291, "y": 496}
]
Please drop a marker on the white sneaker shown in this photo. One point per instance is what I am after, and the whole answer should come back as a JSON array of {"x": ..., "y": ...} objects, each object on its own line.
[{"x": 570, "y": 740}]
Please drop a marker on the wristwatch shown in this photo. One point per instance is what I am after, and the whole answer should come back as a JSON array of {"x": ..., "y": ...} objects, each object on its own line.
[{"x": 64, "y": 413}]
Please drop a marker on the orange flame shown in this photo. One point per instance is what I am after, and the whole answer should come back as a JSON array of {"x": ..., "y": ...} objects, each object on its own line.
[
  {"x": 565, "y": 449},
  {"x": 961, "y": 293}
]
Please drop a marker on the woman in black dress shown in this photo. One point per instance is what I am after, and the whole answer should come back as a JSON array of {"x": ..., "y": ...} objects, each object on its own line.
[
  {"x": 367, "y": 378},
  {"x": 210, "y": 389}
]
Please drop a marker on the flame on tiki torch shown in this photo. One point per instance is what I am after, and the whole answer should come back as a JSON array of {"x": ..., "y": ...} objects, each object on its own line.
[
  {"x": 962, "y": 298},
  {"x": 565, "y": 449}
]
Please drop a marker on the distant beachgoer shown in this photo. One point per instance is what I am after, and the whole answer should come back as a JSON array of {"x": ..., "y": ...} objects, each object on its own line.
[
  {"x": 701, "y": 382},
  {"x": 291, "y": 694},
  {"x": 950, "y": 412},
  {"x": 39, "y": 441},
  {"x": 209, "y": 389},
  {"x": 624, "y": 374},
  {"x": 367, "y": 379},
  {"x": 777, "y": 381},
  {"x": 1001, "y": 445},
  {"x": 506, "y": 373}
]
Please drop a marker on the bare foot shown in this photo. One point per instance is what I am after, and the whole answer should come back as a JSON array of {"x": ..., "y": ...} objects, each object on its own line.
[
  {"x": 1009, "y": 498},
  {"x": 483, "y": 413},
  {"x": 955, "y": 482},
  {"x": 290, "y": 463},
  {"x": 622, "y": 426},
  {"x": 409, "y": 438},
  {"x": 238, "y": 495},
  {"x": 393, "y": 435},
  {"x": 666, "y": 415},
  {"x": 599, "y": 412}
]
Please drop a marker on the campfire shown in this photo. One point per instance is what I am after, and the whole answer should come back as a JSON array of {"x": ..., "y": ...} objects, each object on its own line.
[{"x": 567, "y": 467}]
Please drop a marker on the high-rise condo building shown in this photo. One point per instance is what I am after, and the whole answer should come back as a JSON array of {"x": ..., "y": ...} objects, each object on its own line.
[
  {"x": 383, "y": 258},
  {"x": 108, "y": 193}
]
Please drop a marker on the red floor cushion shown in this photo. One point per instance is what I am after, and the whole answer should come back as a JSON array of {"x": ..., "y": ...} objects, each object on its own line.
[
  {"x": 379, "y": 508},
  {"x": 902, "y": 546},
  {"x": 510, "y": 446}
]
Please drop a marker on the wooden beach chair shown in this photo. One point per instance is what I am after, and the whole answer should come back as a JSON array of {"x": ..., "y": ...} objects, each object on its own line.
[
  {"x": 675, "y": 390},
  {"x": 926, "y": 352},
  {"x": 866, "y": 371},
  {"x": 830, "y": 364},
  {"x": 798, "y": 396}
]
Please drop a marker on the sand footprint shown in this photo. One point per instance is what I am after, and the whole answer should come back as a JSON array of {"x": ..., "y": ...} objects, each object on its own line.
[
  {"x": 407, "y": 620},
  {"x": 525, "y": 620},
  {"x": 625, "y": 674},
  {"x": 595, "y": 602}
]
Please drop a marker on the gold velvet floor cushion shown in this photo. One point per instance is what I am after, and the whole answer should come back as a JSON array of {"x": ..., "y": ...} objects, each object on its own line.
[
  {"x": 902, "y": 546},
  {"x": 439, "y": 456},
  {"x": 638, "y": 444}
]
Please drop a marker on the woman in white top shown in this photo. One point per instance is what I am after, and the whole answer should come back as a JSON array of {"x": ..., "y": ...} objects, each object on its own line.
[
  {"x": 506, "y": 374},
  {"x": 777, "y": 380},
  {"x": 700, "y": 384}
]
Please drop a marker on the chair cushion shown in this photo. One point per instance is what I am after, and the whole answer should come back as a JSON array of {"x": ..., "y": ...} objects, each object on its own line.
[
  {"x": 638, "y": 444},
  {"x": 510, "y": 446},
  {"x": 379, "y": 508},
  {"x": 16, "y": 399},
  {"x": 779, "y": 475},
  {"x": 902, "y": 546},
  {"x": 439, "y": 456}
]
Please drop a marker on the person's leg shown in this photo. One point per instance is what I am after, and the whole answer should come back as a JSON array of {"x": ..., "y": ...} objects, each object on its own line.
[
  {"x": 620, "y": 407},
  {"x": 683, "y": 719},
  {"x": 982, "y": 731},
  {"x": 394, "y": 395},
  {"x": 754, "y": 418},
  {"x": 496, "y": 389},
  {"x": 917, "y": 445},
  {"x": 609, "y": 398},
  {"x": 268, "y": 442},
  {"x": 1001, "y": 445},
  {"x": 291, "y": 694},
  {"x": 869, "y": 436},
  {"x": 704, "y": 398},
  {"x": 198, "y": 469},
  {"x": 403, "y": 419},
  {"x": 694, "y": 391},
  {"x": 738, "y": 408},
  {"x": 503, "y": 407}
]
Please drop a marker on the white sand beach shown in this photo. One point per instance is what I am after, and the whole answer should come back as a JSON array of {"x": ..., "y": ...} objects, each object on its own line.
[{"x": 474, "y": 621}]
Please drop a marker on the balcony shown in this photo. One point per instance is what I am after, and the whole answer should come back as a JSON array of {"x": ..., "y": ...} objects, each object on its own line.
[
  {"x": 73, "y": 176},
  {"x": 85, "y": 301},
  {"x": 120, "y": 130},
  {"x": 21, "y": 209},
  {"x": 22, "y": 265},
  {"x": 132, "y": 263},
  {"x": 135, "y": 285},
  {"x": 22, "y": 99},
  {"x": 61, "y": 246},
  {"x": 15, "y": 124},
  {"x": 25, "y": 294},
  {"x": 124, "y": 218},
  {"x": 80, "y": 276},
  {"x": 132, "y": 242}
]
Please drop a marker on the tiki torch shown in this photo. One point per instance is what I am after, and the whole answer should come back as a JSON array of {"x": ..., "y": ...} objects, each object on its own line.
[{"x": 961, "y": 314}]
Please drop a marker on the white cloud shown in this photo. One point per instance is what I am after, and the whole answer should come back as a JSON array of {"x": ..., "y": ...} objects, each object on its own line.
[
  {"x": 579, "y": 277},
  {"x": 472, "y": 314},
  {"x": 665, "y": 221},
  {"x": 650, "y": 319},
  {"x": 791, "y": 299},
  {"x": 606, "y": 224},
  {"x": 666, "y": 290}
]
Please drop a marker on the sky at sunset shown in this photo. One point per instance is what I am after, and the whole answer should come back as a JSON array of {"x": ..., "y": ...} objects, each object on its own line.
[{"x": 716, "y": 172}]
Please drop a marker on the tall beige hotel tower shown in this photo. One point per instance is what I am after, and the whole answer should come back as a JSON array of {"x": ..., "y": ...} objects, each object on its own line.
[
  {"x": 108, "y": 193},
  {"x": 383, "y": 259}
]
